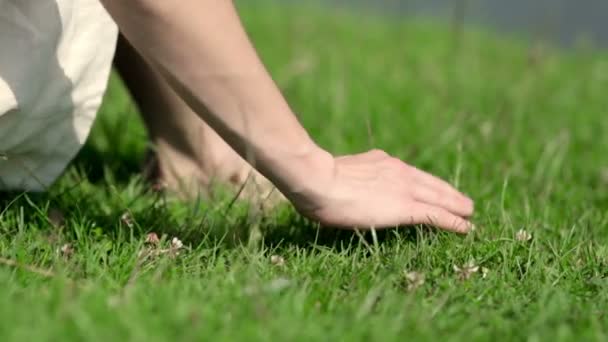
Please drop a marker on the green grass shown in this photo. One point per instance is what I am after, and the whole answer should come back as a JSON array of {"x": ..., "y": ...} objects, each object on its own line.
[{"x": 522, "y": 128}]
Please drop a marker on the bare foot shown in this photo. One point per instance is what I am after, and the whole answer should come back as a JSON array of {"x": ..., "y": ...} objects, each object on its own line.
[
  {"x": 216, "y": 164},
  {"x": 188, "y": 157}
]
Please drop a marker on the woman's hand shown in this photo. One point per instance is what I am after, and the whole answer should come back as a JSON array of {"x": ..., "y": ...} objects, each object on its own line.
[{"x": 376, "y": 190}]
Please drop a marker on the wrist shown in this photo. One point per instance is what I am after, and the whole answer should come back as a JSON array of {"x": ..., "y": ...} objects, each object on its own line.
[{"x": 302, "y": 173}]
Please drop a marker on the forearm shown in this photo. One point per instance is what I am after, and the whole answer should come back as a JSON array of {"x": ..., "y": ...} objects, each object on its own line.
[{"x": 202, "y": 49}]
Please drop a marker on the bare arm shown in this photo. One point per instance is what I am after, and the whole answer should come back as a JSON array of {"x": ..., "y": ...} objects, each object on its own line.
[{"x": 202, "y": 49}]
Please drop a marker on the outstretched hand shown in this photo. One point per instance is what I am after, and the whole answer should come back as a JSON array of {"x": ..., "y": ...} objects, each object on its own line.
[{"x": 373, "y": 189}]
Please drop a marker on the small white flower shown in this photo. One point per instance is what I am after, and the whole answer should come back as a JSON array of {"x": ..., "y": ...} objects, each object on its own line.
[
  {"x": 277, "y": 260},
  {"x": 176, "y": 244},
  {"x": 66, "y": 250},
  {"x": 466, "y": 271},
  {"x": 523, "y": 235},
  {"x": 484, "y": 272},
  {"x": 414, "y": 280},
  {"x": 127, "y": 219}
]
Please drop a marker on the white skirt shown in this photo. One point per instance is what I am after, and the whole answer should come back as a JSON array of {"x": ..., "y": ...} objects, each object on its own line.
[{"x": 55, "y": 61}]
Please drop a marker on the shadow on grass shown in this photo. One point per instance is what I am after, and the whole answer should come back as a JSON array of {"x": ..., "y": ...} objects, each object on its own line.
[
  {"x": 198, "y": 223},
  {"x": 310, "y": 235},
  {"x": 94, "y": 161}
]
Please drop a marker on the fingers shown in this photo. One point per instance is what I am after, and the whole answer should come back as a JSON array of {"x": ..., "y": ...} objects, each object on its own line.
[
  {"x": 435, "y": 191},
  {"x": 440, "y": 218},
  {"x": 377, "y": 190},
  {"x": 425, "y": 194}
]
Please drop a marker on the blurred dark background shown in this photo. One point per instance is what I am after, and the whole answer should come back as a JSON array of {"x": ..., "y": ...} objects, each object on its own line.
[{"x": 561, "y": 22}]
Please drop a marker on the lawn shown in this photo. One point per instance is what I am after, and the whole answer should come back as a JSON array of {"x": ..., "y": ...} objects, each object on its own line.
[{"x": 520, "y": 126}]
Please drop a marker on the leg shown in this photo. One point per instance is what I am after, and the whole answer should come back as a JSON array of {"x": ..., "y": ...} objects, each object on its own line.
[{"x": 189, "y": 156}]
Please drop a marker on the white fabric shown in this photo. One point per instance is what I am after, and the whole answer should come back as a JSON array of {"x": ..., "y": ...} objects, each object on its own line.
[{"x": 55, "y": 61}]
